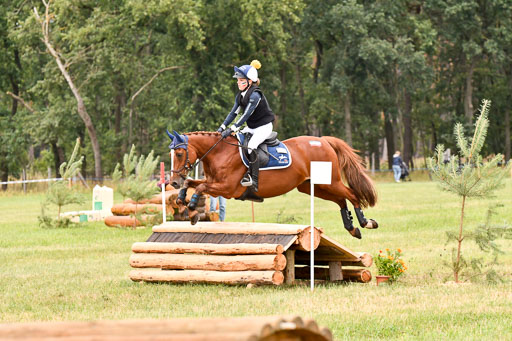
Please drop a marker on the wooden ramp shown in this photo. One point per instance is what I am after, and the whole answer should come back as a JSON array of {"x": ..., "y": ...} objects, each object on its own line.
[
  {"x": 243, "y": 253},
  {"x": 264, "y": 328}
]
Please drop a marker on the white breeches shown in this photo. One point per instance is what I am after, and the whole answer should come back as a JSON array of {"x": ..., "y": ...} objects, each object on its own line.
[{"x": 259, "y": 135}]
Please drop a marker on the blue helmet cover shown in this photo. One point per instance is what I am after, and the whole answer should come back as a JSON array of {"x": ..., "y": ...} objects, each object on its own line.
[{"x": 177, "y": 140}]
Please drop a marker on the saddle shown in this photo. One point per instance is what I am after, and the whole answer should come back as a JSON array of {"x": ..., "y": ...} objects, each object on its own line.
[{"x": 272, "y": 153}]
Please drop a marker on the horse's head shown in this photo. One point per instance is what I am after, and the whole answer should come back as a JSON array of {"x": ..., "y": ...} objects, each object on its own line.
[{"x": 183, "y": 158}]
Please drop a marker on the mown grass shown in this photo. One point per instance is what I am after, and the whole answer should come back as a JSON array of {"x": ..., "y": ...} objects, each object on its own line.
[{"x": 82, "y": 273}]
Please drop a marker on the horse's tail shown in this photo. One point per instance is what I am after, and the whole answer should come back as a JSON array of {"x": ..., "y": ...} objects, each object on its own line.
[{"x": 351, "y": 166}]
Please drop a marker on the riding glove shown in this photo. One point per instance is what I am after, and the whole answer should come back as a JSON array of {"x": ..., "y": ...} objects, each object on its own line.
[
  {"x": 226, "y": 133},
  {"x": 221, "y": 128}
]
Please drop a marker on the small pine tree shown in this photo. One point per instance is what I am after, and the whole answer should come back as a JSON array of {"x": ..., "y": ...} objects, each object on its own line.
[
  {"x": 137, "y": 183},
  {"x": 468, "y": 176},
  {"x": 60, "y": 194}
]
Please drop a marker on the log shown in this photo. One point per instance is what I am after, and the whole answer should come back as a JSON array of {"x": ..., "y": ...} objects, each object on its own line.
[
  {"x": 187, "y": 329},
  {"x": 349, "y": 275},
  {"x": 335, "y": 271},
  {"x": 304, "y": 239},
  {"x": 321, "y": 258},
  {"x": 208, "y": 262},
  {"x": 207, "y": 248},
  {"x": 231, "y": 227},
  {"x": 200, "y": 276},
  {"x": 125, "y": 221},
  {"x": 289, "y": 271},
  {"x": 170, "y": 198},
  {"x": 127, "y": 209}
]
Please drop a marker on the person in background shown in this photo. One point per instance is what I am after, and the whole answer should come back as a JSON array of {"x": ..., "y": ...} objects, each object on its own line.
[
  {"x": 222, "y": 206},
  {"x": 397, "y": 161}
]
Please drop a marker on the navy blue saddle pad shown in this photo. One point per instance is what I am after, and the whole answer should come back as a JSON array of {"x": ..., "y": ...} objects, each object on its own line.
[{"x": 279, "y": 157}]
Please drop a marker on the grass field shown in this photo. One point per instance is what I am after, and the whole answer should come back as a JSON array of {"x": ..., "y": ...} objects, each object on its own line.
[{"x": 82, "y": 273}]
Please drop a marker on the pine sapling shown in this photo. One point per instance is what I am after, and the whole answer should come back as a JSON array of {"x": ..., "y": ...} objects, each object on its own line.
[{"x": 468, "y": 176}]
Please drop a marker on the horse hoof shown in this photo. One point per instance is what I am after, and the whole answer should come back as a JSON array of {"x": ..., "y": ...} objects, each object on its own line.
[
  {"x": 355, "y": 233},
  {"x": 194, "y": 217},
  {"x": 372, "y": 224}
]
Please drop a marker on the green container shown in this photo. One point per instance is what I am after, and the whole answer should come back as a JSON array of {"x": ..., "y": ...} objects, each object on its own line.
[
  {"x": 83, "y": 217},
  {"x": 98, "y": 205}
]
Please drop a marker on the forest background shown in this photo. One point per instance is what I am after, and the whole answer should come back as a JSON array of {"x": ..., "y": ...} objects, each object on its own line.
[{"x": 382, "y": 75}]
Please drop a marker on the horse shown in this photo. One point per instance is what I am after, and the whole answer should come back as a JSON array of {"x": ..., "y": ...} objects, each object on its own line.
[{"x": 223, "y": 170}]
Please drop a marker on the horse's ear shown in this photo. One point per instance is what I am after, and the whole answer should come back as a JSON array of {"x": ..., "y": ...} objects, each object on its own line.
[
  {"x": 178, "y": 136},
  {"x": 169, "y": 134}
]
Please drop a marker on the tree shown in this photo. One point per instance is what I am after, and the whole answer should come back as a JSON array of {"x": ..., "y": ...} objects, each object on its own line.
[
  {"x": 468, "y": 176},
  {"x": 60, "y": 194}
]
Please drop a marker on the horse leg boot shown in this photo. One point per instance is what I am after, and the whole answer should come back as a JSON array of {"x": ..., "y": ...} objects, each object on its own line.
[
  {"x": 346, "y": 216},
  {"x": 192, "y": 213},
  {"x": 363, "y": 222},
  {"x": 180, "y": 200}
]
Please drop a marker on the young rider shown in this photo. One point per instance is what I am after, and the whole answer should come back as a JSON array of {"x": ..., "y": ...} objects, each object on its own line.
[{"x": 255, "y": 110}]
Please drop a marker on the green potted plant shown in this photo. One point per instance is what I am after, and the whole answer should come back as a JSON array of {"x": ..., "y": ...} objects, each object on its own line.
[{"x": 389, "y": 265}]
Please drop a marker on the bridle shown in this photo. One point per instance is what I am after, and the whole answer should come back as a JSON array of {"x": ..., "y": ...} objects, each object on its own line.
[{"x": 188, "y": 166}]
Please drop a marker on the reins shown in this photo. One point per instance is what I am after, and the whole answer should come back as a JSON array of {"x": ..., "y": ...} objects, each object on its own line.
[{"x": 189, "y": 166}]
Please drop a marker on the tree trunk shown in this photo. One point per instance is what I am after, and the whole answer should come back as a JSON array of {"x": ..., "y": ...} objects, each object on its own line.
[
  {"x": 58, "y": 157},
  {"x": 4, "y": 174},
  {"x": 468, "y": 93},
  {"x": 348, "y": 119},
  {"x": 456, "y": 269},
  {"x": 407, "y": 121},
  {"x": 82, "y": 112},
  {"x": 434, "y": 137},
  {"x": 390, "y": 139}
]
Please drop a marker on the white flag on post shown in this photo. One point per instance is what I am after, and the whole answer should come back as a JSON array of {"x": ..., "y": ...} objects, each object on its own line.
[{"x": 321, "y": 174}]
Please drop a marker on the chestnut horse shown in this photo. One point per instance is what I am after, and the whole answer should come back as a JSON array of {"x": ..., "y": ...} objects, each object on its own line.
[{"x": 223, "y": 169}]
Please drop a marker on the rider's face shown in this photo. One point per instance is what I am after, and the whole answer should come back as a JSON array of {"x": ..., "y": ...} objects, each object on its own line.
[{"x": 242, "y": 83}]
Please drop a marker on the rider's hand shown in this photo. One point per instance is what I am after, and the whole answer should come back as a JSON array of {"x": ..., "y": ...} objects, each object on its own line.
[
  {"x": 226, "y": 133},
  {"x": 221, "y": 128}
]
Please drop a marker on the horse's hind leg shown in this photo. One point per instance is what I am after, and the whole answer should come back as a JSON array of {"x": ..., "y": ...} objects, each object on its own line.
[
  {"x": 341, "y": 191},
  {"x": 363, "y": 222},
  {"x": 346, "y": 216}
]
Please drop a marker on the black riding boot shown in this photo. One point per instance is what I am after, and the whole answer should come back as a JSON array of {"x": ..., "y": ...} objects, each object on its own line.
[
  {"x": 251, "y": 177},
  {"x": 255, "y": 171}
]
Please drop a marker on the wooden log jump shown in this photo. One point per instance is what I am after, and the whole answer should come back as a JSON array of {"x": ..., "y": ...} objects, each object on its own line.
[
  {"x": 123, "y": 214},
  {"x": 242, "y": 253},
  {"x": 206, "y": 329}
]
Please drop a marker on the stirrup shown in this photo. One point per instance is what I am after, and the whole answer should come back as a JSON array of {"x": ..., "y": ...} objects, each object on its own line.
[{"x": 246, "y": 180}]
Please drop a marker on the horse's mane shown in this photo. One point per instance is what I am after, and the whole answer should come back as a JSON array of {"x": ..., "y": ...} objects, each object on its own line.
[{"x": 209, "y": 133}]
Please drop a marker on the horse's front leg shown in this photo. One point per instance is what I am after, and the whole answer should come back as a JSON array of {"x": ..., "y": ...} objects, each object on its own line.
[
  {"x": 200, "y": 186},
  {"x": 181, "y": 199}
]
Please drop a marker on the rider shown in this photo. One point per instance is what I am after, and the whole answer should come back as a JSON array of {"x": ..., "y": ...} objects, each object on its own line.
[{"x": 256, "y": 112}]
